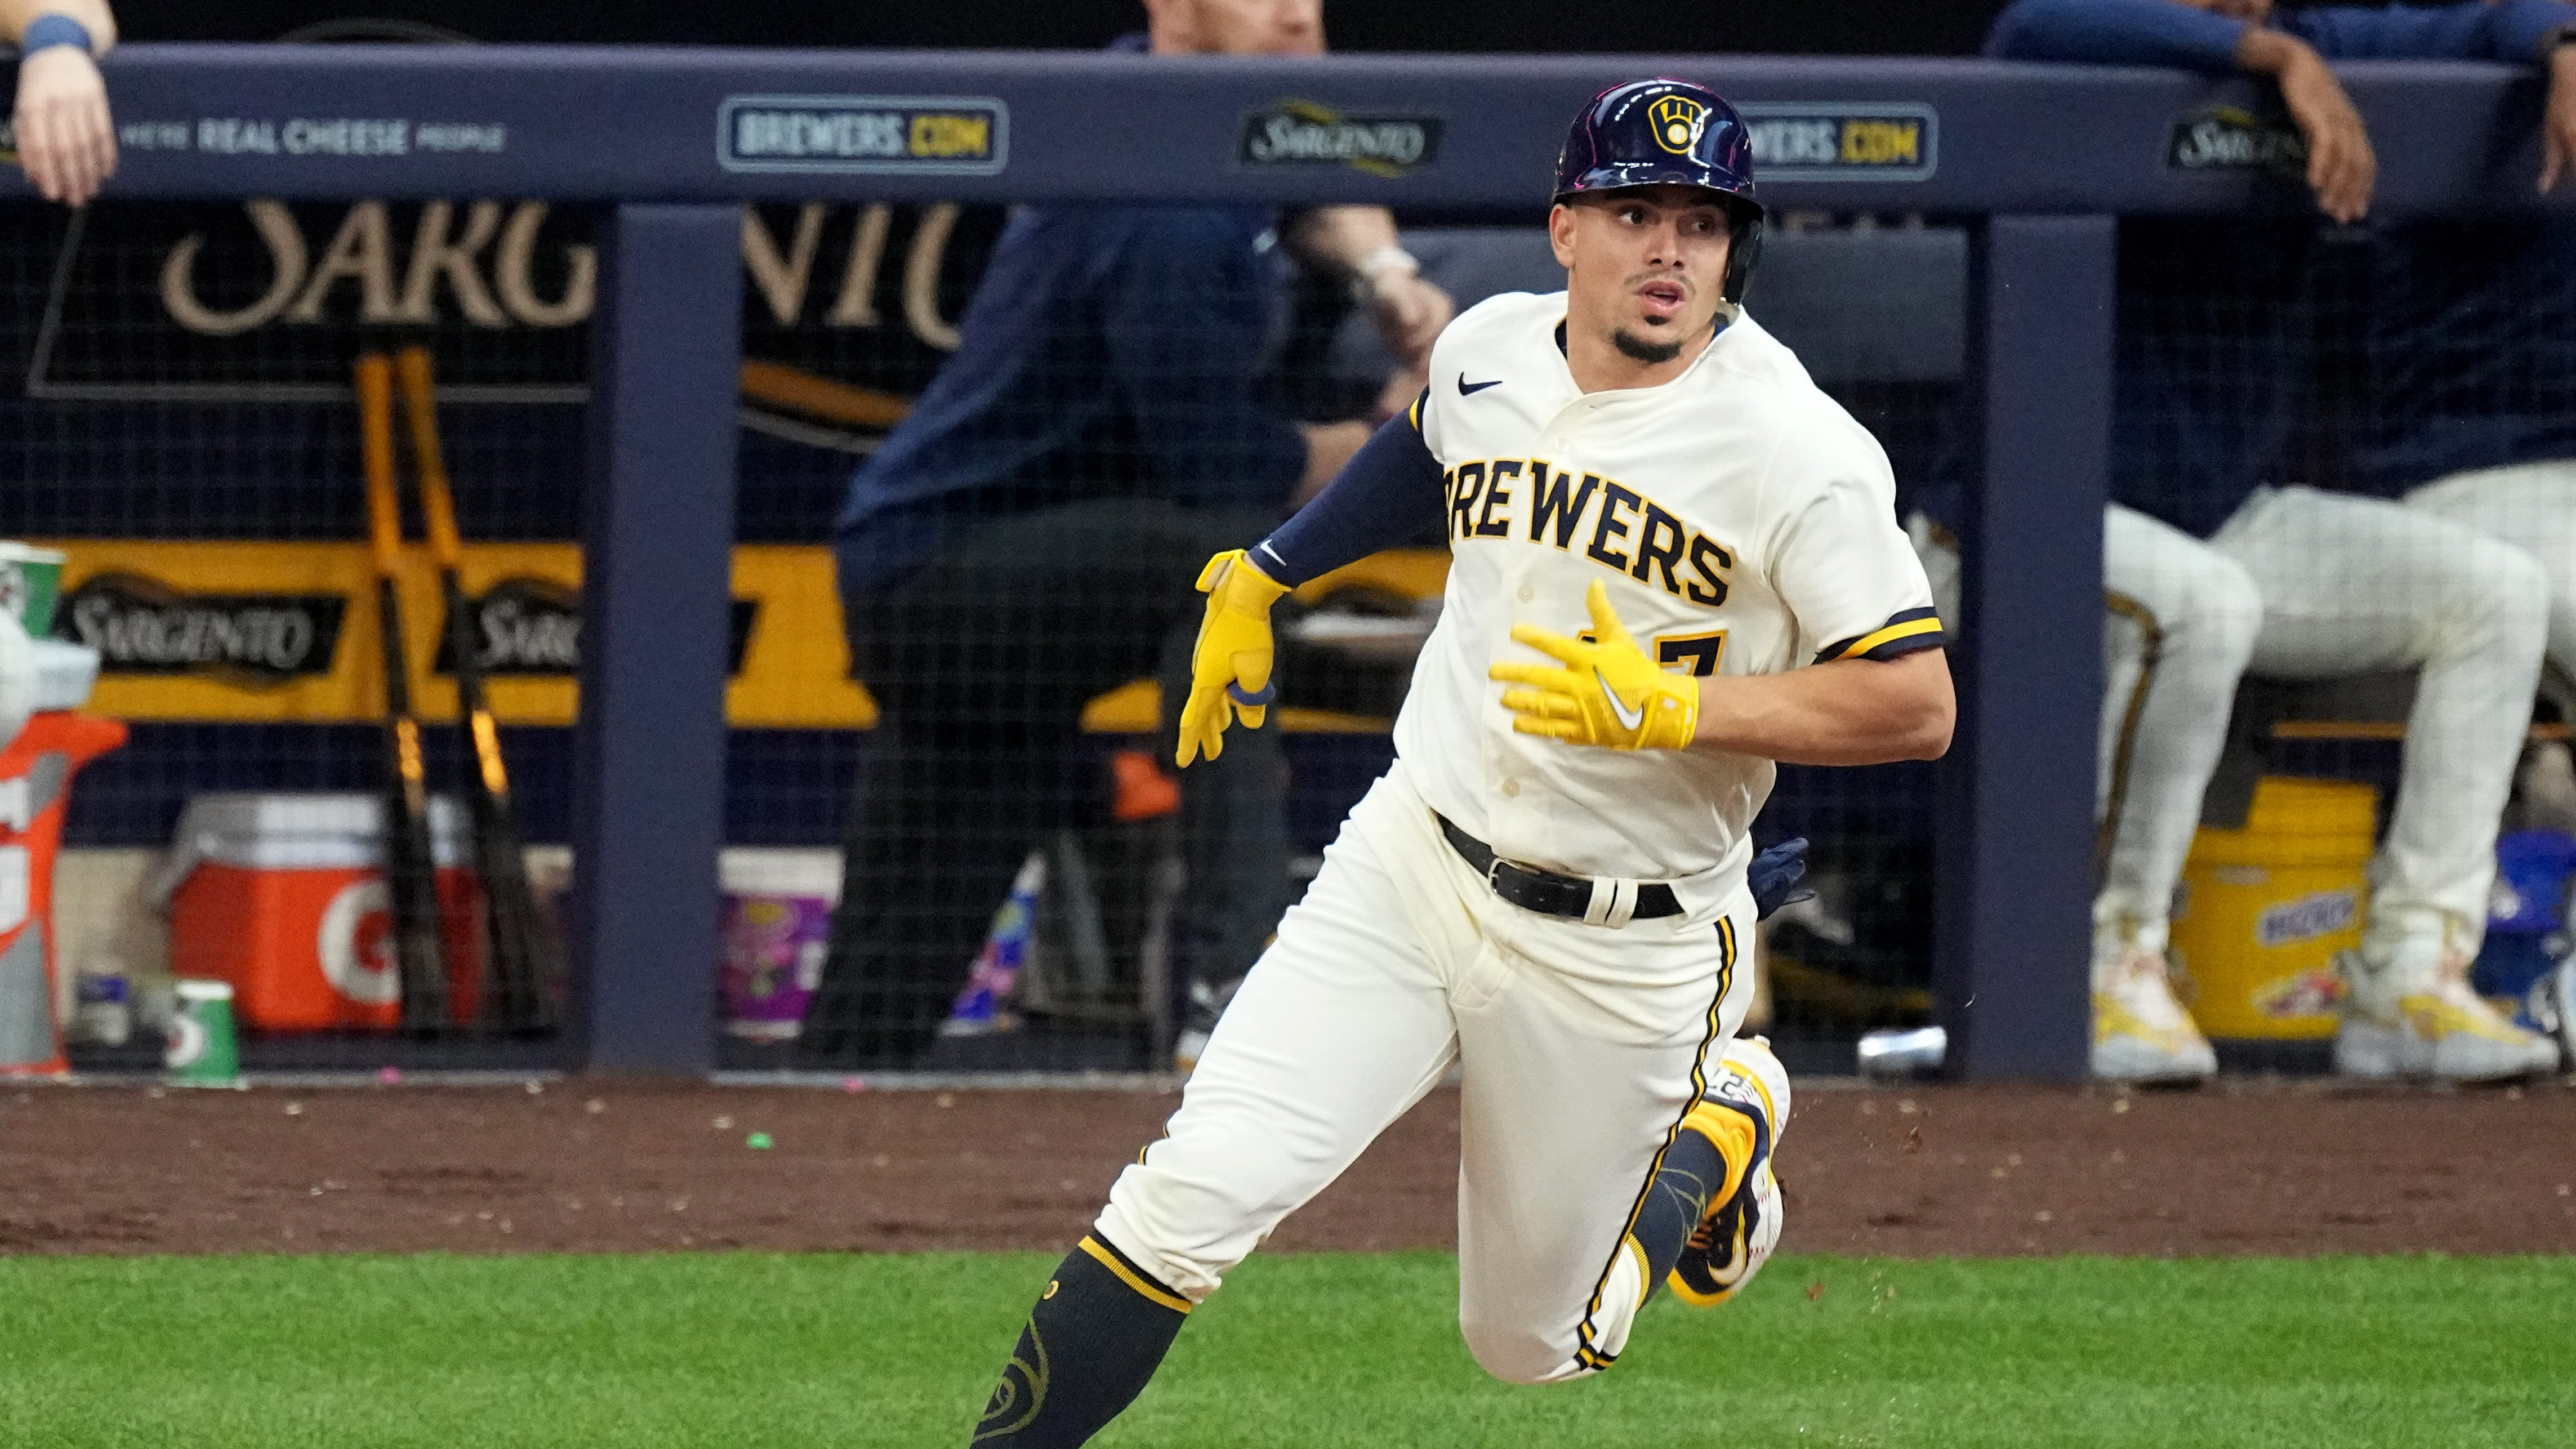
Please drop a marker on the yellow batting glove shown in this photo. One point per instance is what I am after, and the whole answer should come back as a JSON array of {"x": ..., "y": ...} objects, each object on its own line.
[
  {"x": 1609, "y": 693},
  {"x": 1230, "y": 668}
]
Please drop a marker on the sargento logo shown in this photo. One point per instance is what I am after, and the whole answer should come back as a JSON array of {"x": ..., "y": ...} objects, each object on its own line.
[
  {"x": 140, "y": 625},
  {"x": 1829, "y": 141},
  {"x": 952, "y": 135},
  {"x": 1303, "y": 133},
  {"x": 2231, "y": 138},
  {"x": 532, "y": 627}
]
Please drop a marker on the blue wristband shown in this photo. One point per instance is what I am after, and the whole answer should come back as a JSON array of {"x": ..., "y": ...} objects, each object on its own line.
[{"x": 50, "y": 30}]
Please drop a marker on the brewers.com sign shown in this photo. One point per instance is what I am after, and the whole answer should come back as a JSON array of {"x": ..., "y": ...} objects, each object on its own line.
[{"x": 1835, "y": 141}]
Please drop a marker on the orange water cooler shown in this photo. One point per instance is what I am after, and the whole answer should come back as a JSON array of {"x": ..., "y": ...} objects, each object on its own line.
[{"x": 284, "y": 897}]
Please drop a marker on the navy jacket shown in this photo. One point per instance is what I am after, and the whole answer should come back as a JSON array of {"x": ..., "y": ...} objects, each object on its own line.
[{"x": 1109, "y": 351}]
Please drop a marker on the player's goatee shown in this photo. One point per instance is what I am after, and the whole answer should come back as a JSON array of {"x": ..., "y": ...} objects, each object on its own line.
[{"x": 1642, "y": 350}]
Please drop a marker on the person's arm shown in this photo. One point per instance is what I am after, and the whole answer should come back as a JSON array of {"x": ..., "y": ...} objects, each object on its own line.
[
  {"x": 2117, "y": 32},
  {"x": 66, "y": 142},
  {"x": 1388, "y": 492},
  {"x": 1330, "y": 447},
  {"x": 1360, "y": 242},
  {"x": 2513, "y": 31},
  {"x": 2558, "y": 121},
  {"x": 1871, "y": 707},
  {"x": 1849, "y": 712},
  {"x": 2342, "y": 168},
  {"x": 1878, "y": 688}
]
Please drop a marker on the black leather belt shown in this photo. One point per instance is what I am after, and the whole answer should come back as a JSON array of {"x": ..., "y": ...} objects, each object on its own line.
[{"x": 1544, "y": 891}]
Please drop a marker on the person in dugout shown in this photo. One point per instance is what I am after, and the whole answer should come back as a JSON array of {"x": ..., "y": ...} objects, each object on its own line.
[
  {"x": 2232, "y": 566},
  {"x": 1025, "y": 540}
]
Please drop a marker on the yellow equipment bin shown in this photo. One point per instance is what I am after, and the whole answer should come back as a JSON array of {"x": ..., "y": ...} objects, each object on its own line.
[{"x": 2265, "y": 909}]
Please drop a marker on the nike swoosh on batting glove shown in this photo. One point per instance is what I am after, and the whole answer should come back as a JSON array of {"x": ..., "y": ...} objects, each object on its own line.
[
  {"x": 1608, "y": 692},
  {"x": 1230, "y": 668}
]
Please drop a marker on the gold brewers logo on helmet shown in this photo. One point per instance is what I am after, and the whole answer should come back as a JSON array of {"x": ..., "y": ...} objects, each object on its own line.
[{"x": 1678, "y": 120}]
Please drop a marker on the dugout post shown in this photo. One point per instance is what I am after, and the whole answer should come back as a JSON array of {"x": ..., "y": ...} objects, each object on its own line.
[
  {"x": 657, "y": 541},
  {"x": 2015, "y": 857}
]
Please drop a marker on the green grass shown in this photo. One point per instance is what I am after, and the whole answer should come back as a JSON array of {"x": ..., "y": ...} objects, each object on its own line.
[{"x": 742, "y": 1350}]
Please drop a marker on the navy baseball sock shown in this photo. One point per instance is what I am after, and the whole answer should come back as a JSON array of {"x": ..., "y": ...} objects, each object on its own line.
[
  {"x": 1691, "y": 1179},
  {"x": 1094, "y": 1338}
]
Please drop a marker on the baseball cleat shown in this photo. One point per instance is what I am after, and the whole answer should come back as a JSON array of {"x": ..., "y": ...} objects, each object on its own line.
[
  {"x": 2405, "y": 1018},
  {"x": 2140, "y": 1032},
  {"x": 1743, "y": 1112}
]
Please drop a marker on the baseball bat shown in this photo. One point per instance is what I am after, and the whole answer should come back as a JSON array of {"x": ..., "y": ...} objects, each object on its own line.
[
  {"x": 519, "y": 949},
  {"x": 420, "y": 954}
]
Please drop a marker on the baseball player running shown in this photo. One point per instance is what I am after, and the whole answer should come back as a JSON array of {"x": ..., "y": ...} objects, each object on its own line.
[{"x": 1679, "y": 562}]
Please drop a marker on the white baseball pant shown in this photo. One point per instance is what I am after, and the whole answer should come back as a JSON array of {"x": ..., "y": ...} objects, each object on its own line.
[
  {"x": 1580, "y": 1047},
  {"x": 2177, "y": 630},
  {"x": 2353, "y": 585},
  {"x": 2303, "y": 584},
  {"x": 2533, "y": 507}
]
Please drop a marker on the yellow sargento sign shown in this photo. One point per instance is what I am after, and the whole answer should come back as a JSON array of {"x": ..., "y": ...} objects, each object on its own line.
[{"x": 286, "y": 632}]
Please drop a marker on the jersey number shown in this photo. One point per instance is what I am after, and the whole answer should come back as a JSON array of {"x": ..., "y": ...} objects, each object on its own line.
[{"x": 1700, "y": 651}]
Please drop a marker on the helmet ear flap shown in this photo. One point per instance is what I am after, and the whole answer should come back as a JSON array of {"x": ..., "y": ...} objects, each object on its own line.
[{"x": 1741, "y": 255}]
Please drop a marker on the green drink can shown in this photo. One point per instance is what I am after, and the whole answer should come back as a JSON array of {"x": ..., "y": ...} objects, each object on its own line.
[
  {"x": 30, "y": 580},
  {"x": 201, "y": 1051}
]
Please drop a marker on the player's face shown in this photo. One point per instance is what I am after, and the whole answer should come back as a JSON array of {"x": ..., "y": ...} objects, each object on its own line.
[
  {"x": 1239, "y": 27},
  {"x": 1645, "y": 267},
  {"x": 2251, "y": 11}
]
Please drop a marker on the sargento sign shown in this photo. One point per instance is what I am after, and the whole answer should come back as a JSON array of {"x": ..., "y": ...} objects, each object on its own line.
[
  {"x": 140, "y": 625},
  {"x": 246, "y": 632},
  {"x": 1305, "y": 133},
  {"x": 530, "y": 627},
  {"x": 266, "y": 300},
  {"x": 286, "y": 631},
  {"x": 2231, "y": 138},
  {"x": 1842, "y": 141},
  {"x": 945, "y": 135}
]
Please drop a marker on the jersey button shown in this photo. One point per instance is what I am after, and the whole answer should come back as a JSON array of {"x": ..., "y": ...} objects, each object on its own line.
[
  {"x": 1528, "y": 593},
  {"x": 1512, "y": 789}
]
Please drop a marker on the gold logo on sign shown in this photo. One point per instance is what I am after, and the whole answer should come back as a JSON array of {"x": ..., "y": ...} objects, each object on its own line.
[{"x": 1677, "y": 121}]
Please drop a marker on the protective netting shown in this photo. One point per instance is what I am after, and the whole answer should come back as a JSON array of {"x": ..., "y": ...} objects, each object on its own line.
[
  {"x": 2342, "y": 473},
  {"x": 1030, "y": 888}
]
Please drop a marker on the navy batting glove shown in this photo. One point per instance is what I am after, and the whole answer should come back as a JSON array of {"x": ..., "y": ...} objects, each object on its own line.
[{"x": 1774, "y": 877}]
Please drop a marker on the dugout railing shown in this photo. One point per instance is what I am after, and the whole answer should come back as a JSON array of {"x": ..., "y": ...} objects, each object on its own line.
[{"x": 666, "y": 147}]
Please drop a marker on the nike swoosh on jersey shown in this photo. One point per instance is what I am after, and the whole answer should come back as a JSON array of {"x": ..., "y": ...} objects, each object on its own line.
[
  {"x": 1469, "y": 389},
  {"x": 1629, "y": 716}
]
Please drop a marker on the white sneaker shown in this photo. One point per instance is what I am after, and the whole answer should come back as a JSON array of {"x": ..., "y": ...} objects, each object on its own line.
[
  {"x": 2410, "y": 1016},
  {"x": 2140, "y": 1032},
  {"x": 1743, "y": 1111}
]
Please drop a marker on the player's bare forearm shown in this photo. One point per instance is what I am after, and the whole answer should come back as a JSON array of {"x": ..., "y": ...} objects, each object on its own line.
[
  {"x": 92, "y": 14},
  {"x": 2342, "y": 168},
  {"x": 1361, "y": 241},
  {"x": 2558, "y": 119},
  {"x": 1329, "y": 446},
  {"x": 1849, "y": 712}
]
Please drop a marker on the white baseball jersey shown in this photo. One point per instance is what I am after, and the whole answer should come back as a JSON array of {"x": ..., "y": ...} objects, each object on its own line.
[{"x": 1745, "y": 523}]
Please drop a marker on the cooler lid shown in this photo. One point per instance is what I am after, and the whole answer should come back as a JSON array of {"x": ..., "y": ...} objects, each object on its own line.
[{"x": 304, "y": 831}]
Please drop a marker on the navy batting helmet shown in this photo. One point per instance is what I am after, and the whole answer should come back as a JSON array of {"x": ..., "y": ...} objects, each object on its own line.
[{"x": 1668, "y": 133}]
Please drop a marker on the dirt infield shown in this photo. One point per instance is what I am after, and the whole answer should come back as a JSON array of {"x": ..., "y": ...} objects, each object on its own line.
[{"x": 604, "y": 1166}]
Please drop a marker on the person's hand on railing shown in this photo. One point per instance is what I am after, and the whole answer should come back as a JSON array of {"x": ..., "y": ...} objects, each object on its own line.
[
  {"x": 2342, "y": 169},
  {"x": 2558, "y": 121},
  {"x": 65, "y": 140}
]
